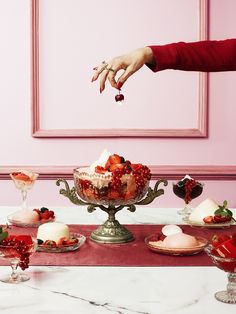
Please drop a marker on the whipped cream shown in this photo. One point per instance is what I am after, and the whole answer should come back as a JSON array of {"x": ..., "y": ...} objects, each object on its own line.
[{"x": 101, "y": 160}]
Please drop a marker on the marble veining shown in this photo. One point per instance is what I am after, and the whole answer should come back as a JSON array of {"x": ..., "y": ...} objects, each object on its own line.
[{"x": 107, "y": 290}]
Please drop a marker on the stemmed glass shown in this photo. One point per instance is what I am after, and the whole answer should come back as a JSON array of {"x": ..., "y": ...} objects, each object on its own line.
[
  {"x": 17, "y": 253},
  {"x": 187, "y": 189},
  {"x": 228, "y": 265},
  {"x": 24, "y": 181}
]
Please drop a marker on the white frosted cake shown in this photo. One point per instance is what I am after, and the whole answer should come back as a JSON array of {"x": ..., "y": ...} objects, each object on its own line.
[
  {"x": 53, "y": 231},
  {"x": 204, "y": 209}
]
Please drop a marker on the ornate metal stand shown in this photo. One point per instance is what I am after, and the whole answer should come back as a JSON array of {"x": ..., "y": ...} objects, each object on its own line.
[{"x": 111, "y": 231}]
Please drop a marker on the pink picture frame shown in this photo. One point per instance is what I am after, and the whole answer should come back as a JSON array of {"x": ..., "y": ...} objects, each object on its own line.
[{"x": 201, "y": 131}]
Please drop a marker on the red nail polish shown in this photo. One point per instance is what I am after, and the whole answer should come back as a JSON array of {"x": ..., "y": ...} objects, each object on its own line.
[
  {"x": 100, "y": 90},
  {"x": 119, "y": 85}
]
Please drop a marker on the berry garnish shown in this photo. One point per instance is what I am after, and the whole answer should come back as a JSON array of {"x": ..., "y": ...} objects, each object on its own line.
[
  {"x": 221, "y": 215},
  {"x": 44, "y": 213},
  {"x": 43, "y": 209},
  {"x": 50, "y": 243},
  {"x": 128, "y": 181},
  {"x": 18, "y": 246}
]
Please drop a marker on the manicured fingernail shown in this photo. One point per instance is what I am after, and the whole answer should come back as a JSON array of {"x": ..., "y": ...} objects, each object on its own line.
[
  {"x": 119, "y": 85},
  {"x": 92, "y": 80},
  {"x": 100, "y": 90},
  {"x": 95, "y": 68}
]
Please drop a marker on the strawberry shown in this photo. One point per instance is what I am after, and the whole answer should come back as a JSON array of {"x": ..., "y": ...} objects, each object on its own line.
[
  {"x": 221, "y": 219},
  {"x": 223, "y": 214},
  {"x": 113, "y": 167},
  {"x": 208, "y": 219},
  {"x": 51, "y": 214},
  {"x": 45, "y": 215},
  {"x": 20, "y": 176},
  {"x": 136, "y": 167},
  {"x": 62, "y": 241},
  {"x": 50, "y": 243},
  {"x": 100, "y": 169},
  {"x": 115, "y": 159}
]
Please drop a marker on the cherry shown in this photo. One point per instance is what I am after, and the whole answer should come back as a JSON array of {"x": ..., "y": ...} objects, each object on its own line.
[{"x": 119, "y": 97}]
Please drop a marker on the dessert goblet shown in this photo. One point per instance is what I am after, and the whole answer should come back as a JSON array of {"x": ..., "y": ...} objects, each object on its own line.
[
  {"x": 228, "y": 265},
  {"x": 17, "y": 251},
  {"x": 24, "y": 181},
  {"x": 187, "y": 189}
]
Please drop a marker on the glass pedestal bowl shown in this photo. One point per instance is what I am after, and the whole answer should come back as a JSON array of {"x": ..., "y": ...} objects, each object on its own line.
[
  {"x": 228, "y": 265},
  {"x": 17, "y": 253},
  {"x": 100, "y": 191}
]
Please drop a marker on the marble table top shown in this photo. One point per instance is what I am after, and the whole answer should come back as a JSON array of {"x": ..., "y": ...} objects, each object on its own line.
[{"x": 122, "y": 290}]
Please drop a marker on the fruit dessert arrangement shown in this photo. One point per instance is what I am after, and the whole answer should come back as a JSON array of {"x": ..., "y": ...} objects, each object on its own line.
[
  {"x": 224, "y": 251},
  {"x": 16, "y": 247},
  {"x": 55, "y": 234},
  {"x": 33, "y": 216},
  {"x": 173, "y": 237},
  {"x": 221, "y": 214},
  {"x": 209, "y": 212},
  {"x": 188, "y": 189},
  {"x": 112, "y": 177},
  {"x": 23, "y": 179}
]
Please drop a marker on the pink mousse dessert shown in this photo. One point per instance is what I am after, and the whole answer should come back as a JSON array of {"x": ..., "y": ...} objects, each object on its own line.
[
  {"x": 26, "y": 216},
  {"x": 173, "y": 237},
  {"x": 180, "y": 241}
]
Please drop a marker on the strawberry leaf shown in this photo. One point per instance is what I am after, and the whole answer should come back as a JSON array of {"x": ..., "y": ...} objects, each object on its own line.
[{"x": 3, "y": 235}]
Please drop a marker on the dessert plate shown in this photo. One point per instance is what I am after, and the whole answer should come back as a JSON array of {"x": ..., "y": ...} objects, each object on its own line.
[
  {"x": 18, "y": 223},
  {"x": 212, "y": 225},
  {"x": 156, "y": 246},
  {"x": 64, "y": 248}
]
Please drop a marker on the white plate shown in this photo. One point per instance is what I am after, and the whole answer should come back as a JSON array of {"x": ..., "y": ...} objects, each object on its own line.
[
  {"x": 64, "y": 248},
  {"x": 212, "y": 225},
  {"x": 156, "y": 246},
  {"x": 18, "y": 223}
]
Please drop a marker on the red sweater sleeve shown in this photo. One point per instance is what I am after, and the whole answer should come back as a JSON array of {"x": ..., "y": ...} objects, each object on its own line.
[{"x": 205, "y": 56}]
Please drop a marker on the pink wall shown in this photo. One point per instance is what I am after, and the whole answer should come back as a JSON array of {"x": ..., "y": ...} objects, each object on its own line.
[{"x": 19, "y": 148}]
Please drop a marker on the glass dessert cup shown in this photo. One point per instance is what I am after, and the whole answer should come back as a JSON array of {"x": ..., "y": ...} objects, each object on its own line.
[
  {"x": 24, "y": 184},
  {"x": 10, "y": 253},
  {"x": 228, "y": 265},
  {"x": 181, "y": 193},
  {"x": 94, "y": 191}
]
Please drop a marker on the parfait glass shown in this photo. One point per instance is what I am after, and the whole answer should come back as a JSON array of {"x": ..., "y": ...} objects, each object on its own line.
[
  {"x": 24, "y": 181},
  {"x": 228, "y": 265},
  {"x": 187, "y": 190},
  {"x": 15, "y": 254}
]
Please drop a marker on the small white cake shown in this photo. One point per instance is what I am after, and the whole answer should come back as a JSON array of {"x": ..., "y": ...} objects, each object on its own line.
[
  {"x": 204, "y": 209},
  {"x": 53, "y": 231}
]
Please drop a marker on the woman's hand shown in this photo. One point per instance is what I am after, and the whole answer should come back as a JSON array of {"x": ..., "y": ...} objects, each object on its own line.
[{"x": 130, "y": 63}]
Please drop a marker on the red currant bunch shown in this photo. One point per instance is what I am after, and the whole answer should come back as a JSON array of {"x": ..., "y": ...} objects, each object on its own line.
[{"x": 188, "y": 187}]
